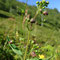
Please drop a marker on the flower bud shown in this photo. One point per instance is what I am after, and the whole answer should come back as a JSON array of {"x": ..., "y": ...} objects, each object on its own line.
[
  {"x": 10, "y": 42},
  {"x": 32, "y": 20},
  {"x": 47, "y": 2},
  {"x": 43, "y": 1},
  {"x": 43, "y": 7},
  {"x": 40, "y": 2},
  {"x": 33, "y": 54},
  {"x": 37, "y": 2},
  {"x": 45, "y": 13}
]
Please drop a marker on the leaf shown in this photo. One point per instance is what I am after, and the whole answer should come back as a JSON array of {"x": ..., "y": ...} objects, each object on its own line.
[
  {"x": 15, "y": 49},
  {"x": 14, "y": 46},
  {"x": 8, "y": 38}
]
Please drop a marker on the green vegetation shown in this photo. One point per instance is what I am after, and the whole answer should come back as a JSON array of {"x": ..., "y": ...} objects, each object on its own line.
[{"x": 43, "y": 39}]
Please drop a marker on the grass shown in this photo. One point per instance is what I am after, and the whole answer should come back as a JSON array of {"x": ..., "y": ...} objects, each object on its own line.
[{"x": 44, "y": 36}]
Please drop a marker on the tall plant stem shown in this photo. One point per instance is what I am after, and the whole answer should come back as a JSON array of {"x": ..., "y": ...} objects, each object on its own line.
[
  {"x": 27, "y": 45},
  {"x": 37, "y": 12},
  {"x": 35, "y": 15}
]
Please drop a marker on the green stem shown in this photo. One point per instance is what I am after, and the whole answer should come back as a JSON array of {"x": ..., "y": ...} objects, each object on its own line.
[
  {"x": 5, "y": 45},
  {"x": 20, "y": 57},
  {"x": 30, "y": 51},
  {"x": 37, "y": 12},
  {"x": 27, "y": 45},
  {"x": 35, "y": 15}
]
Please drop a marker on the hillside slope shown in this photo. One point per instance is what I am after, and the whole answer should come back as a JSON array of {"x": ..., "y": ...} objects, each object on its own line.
[{"x": 48, "y": 34}]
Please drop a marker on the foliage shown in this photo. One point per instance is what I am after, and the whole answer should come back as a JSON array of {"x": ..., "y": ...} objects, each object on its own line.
[{"x": 40, "y": 42}]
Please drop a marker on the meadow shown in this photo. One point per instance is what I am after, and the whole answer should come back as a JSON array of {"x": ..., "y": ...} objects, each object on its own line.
[{"x": 25, "y": 38}]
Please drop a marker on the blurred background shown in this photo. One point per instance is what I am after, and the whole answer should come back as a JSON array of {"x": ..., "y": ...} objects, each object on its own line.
[
  {"x": 12, "y": 13},
  {"x": 53, "y": 3}
]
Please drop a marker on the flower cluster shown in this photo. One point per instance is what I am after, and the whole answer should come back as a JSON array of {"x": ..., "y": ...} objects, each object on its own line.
[{"x": 41, "y": 6}]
